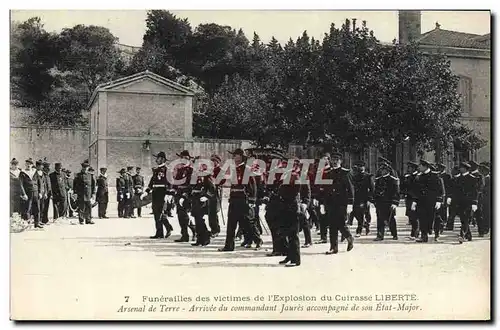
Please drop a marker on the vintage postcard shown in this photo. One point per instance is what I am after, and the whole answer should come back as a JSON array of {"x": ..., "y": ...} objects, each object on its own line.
[{"x": 250, "y": 165}]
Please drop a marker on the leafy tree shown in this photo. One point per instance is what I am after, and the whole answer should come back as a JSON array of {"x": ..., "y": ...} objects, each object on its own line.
[
  {"x": 32, "y": 55},
  {"x": 228, "y": 111},
  {"x": 89, "y": 56}
]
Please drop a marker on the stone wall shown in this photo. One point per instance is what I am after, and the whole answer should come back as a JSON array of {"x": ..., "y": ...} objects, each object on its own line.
[{"x": 69, "y": 146}]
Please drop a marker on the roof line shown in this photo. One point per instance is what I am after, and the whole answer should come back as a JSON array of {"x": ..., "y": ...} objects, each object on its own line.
[{"x": 134, "y": 77}]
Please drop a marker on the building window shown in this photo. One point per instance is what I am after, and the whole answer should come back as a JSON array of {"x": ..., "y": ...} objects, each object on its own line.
[{"x": 465, "y": 92}]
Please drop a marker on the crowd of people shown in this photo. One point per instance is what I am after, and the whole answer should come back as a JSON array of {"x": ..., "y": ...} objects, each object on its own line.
[{"x": 433, "y": 199}]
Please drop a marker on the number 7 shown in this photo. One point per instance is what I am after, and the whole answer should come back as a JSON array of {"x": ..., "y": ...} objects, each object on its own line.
[{"x": 126, "y": 298}]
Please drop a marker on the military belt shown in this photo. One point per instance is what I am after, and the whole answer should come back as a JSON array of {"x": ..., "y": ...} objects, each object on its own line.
[
  {"x": 160, "y": 186},
  {"x": 182, "y": 187},
  {"x": 196, "y": 191},
  {"x": 237, "y": 190}
]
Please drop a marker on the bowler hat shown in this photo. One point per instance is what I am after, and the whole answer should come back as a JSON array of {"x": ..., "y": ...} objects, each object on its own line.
[
  {"x": 383, "y": 160},
  {"x": 129, "y": 168},
  {"x": 91, "y": 169},
  {"x": 465, "y": 165},
  {"x": 184, "y": 153},
  {"x": 29, "y": 160},
  {"x": 86, "y": 163},
  {"x": 14, "y": 161},
  {"x": 45, "y": 162},
  {"x": 473, "y": 164},
  {"x": 237, "y": 151},
  {"x": 103, "y": 169},
  {"x": 359, "y": 163},
  {"x": 484, "y": 167},
  {"x": 160, "y": 154},
  {"x": 58, "y": 165},
  {"x": 215, "y": 157},
  {"x": 39, "y": 162},
  {"x": 440, "y": 166},
  {"x": 68, "y": 171},
  {"x": 122, "y": 171},
  {"x": 137, "y": 168},
  {"x": 336, "y": 154},
  {"x": 425, "y": 163}
]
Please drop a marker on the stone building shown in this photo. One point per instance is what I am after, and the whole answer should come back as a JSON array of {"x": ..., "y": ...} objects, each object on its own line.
[
  {"x": 135, "y": 116},
  {"x": 470, "y": 60}
]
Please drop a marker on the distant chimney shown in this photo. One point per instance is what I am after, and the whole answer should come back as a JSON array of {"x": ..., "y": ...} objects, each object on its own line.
[
  {"x": 409, "y": 25},
  {"x": 438, "y": 25}
]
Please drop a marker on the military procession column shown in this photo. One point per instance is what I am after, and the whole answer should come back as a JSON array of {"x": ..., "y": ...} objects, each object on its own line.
[{"x": 296, "y": 195}]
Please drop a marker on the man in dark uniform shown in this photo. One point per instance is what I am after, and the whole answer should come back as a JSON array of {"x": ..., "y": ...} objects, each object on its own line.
[
  {"x": 84, "y": 188},
  {"x": 336, "y": 196},
  {"x": 478, "y": 216},
  {"x": 386, "y": 197},
  {"x": 314, "y": 205},
  {"x": 446, "y": 178},
  {"x": 121, "y": 191},
  {"x": 295, "y": 198},
  {"x": 182, "y": 192},
  {"x": 451, "y": 198},
  {"x": 485, "y": 199},
  {"x": 129, "y": 194},
  {"x": 59, "y": 191},
  {"x": 138, "y": 187},
  {"x": 40, "y": 178},
  {"x": 17, "y": 194},
  {"x": 429, "y": 199},
  {"x": 214, "y": 202},
  {"x": 69, "y": 191},
  {"x": 409, "y": 191},
  {"x": 161, "y": 191},
  {"x": 48, "y": 188},
  {"x": 242, "y": 199},
  {"x": 439, "y": 222},
  {"x": 31, "y": 206},
  {"x": 274, "y": 213},
  {"x": 324, "y": 223},
  {"x": 201, "y": 192},
  {"x": 102, "y": 193},
  {"x": 363, "y": 196},
  {"x": 466, "y": 195}
]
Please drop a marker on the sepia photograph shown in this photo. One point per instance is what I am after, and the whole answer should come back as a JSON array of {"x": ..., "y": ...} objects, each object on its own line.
[{"x": 240, "y": 165}]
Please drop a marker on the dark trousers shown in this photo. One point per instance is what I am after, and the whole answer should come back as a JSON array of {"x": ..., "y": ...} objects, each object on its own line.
[
  {"x": 412, "y": 218},
  {"x": 464, "y": 211},
  {"x": 31, "y": 207},
  {"x": 84, "y": 211},
  {"x": 128, "y": 207},
  {"x": 273, "y": 218},
  {"x": 45, "y": 209},
  {"x": 15, "y": 204},
  {"x": 157, "y": 205},
  {"x": 479, "y": 216},
  {"x": 213, "y": 216},
  {"x": 359, "y": 213},
  {"x": 139, "y": 209},
  {"x": 323, "y": 225},
  {"x": 452, "y": 215},
  {"x": 290, "y": 232},
  {"x": 337, "y": 216},
  {"x": 306, "y": 226},
  {"x": 102, "y": 207},
  {"x": 385, "y": 214},
  {"x": 250, "y": 235},
  {"x": 313, "y": 211},
  {"x": 425, "y": 214},
  {"x": 239, "y": 213},
  {"x": 121, "y": 208},
  {"x": 182, "y": 215},
  {"x": 59, "y": 206},
  {"x": 198, "y": 211},
  {"x": 485, "y": 206}
]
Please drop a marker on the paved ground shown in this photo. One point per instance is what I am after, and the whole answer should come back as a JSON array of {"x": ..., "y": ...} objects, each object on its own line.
[{"x": 86, "y": 272}]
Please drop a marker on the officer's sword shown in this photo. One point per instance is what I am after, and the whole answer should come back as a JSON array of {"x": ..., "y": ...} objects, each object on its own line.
[{"x": 221, "y": 210}]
